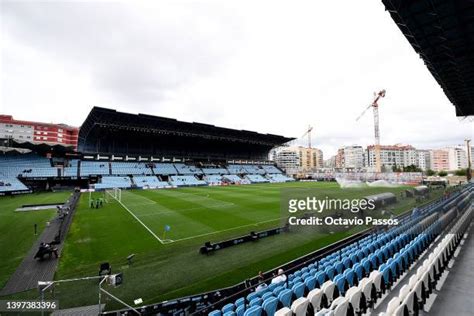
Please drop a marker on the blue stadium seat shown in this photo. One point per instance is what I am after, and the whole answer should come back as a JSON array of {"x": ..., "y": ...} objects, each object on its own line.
[
  {"x": 252, "y": 296},
  {"x": 321, "y": 277},
  {"x": 253, "y": 311},
  {"x": 278, "y": 290},
  {"x": 285, "y": 297},
  {"x": 270, "y": 305},
  {"x": 354, "y": 259},
  {"x": 350, "y": 277},
  {"x": 239, "y": 302},
  {"x": 359, "y": 271},
  {"x": 298, "y": 289},
  {"x": 256, "y": 302},
  {"x": 330, "y": 271},
  {"x": 347, "y": 263},
  {"x": 341, "y": 283},
  {"x": 365, "y": 263},
  {"x": 228, "y": 308},
  {"x": 240, "y": 310},
  {"x": 339, "y": 267},
  {"x": 310, "y": 283}
]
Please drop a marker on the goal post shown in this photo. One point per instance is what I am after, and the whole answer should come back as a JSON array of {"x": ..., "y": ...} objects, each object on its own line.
[{"x": 115, "y": 193}]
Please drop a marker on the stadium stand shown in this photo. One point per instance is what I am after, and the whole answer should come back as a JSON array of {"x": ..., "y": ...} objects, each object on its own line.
[
  {"x": 187, "y": 169},
  {"x": 149, "y": 181},
  {"x": 353, "y": 279},
  {"x": 110, "y": 182},
  {"x": 109, "y": 132},
  {"x": 214, "y": 171},
  {"x": 256, "y": 178},
  {"x": 130, "y": 168},
  {"x": 186, "y": 181},
  {"x": 233, "y": 178},
  {"x": 27, "y": 166},
  {"x": 71, "y": 168},
  {"x": 31, "y": 166},
  {"x": 236, "y": 169},
  {"x": 420, "y": 282},
  {"x": 254, "y": 169},
  {"x": 88, "y": 168},
  {"x": 11, "y": 184},
  {"x": 164, "y": 169},
  {"x": 279, "y": 178},
  {"x": 213, "y": 179},
  {"x": 271, "y": 169}
]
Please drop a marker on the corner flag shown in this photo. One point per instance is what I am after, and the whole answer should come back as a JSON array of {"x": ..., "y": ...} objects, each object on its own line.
[{"x": 167, "y": 229}]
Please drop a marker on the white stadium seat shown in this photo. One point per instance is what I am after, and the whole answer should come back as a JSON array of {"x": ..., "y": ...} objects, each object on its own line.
[
  {"x": 300, "y": 306},
  {"x": 354, "y": 296},
  {"x": 340, "y": 306},
  {"x": 285, "y": 311},
  {"x": 376, "y": 278},
  {"x": 392, "y": 305},
  {"x": 365, "y": 286},
  {"x": 315, "y": 299},
  {"x": 329, "y": 290}
]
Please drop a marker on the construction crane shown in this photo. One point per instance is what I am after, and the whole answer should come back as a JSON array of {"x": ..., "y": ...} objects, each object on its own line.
[
  {"x": 375, "y": 106},
  {"x": 308, "y": 132}
]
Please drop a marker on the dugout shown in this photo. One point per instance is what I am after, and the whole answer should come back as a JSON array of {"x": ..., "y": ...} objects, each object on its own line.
[{"x": 382, "y": 199}]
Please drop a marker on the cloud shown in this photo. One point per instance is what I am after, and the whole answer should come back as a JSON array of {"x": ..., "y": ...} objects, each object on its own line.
[{"x": 273, "y": 67}]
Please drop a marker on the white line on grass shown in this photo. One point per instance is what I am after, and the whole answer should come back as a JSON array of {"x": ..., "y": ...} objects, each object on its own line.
[
  {"x": 131, "y": 213},
  {"x": 226, "y": 230}
]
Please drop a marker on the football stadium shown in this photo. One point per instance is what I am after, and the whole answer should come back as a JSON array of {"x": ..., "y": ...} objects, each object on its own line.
[{"x": 138, "y": 214}]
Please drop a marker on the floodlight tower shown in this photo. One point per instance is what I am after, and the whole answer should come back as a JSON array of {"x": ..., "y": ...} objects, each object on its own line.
[{"x": 375, "y": 106}]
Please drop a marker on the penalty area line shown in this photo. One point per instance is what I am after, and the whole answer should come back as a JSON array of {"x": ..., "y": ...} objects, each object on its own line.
[
  {"x": 225, "y": 230},
  {"x": 143, "y": 224}
]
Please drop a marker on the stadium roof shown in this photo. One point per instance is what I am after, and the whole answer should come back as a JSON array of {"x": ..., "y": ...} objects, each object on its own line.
[
  {"x": 117, "y": 128},
  {"x": 21, "y": 146},
  {"x": 442, "y": 33}
]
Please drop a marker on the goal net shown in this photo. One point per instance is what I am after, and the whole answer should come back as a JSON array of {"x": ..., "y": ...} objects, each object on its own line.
[{"x": 115, "y": 194}]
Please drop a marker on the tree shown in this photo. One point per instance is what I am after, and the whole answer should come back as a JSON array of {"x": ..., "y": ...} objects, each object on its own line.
[
  {"x": 442, "y": 173},
  {"x": 430, "y": 172},
  {"x": 411, "y": 168},
  {"x": 461, "y": 172},
  {"x": 395, "y": 168}
]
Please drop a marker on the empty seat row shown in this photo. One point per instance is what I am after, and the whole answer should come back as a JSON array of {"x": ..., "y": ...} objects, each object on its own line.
[
  {"x": 233, "y": 178},
  {"x": 186, "y": 181},
  {"x": 413, "y": 295},
  {"x": 150, "y": 182},
  {"x": 130, "y": 168},
  {"x": 214, "y": 179},
  {"x": 218, "y": 170},
  {"x": 278, "y": 177},
  {"x": 110, "y": 182},
  {"x": 256, "y": 178},
  {"x": 11, "y": 184}
]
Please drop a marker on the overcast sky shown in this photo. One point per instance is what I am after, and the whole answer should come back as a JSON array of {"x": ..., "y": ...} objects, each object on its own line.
[{"x": 268, "y": 66}]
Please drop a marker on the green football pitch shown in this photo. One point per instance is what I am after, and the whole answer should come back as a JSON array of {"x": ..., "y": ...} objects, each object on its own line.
[{"x": 167, "y": 264}]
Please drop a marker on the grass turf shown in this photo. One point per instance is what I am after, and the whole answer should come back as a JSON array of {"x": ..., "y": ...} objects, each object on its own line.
[
  {"x": 17, "y": 232},
  {"x": 164, "y": 271}
]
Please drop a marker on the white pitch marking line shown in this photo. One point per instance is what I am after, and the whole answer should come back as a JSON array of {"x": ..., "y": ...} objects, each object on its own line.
[
  {"x": 134, "y": 216},
  {"x": 225, "y": 230}
]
